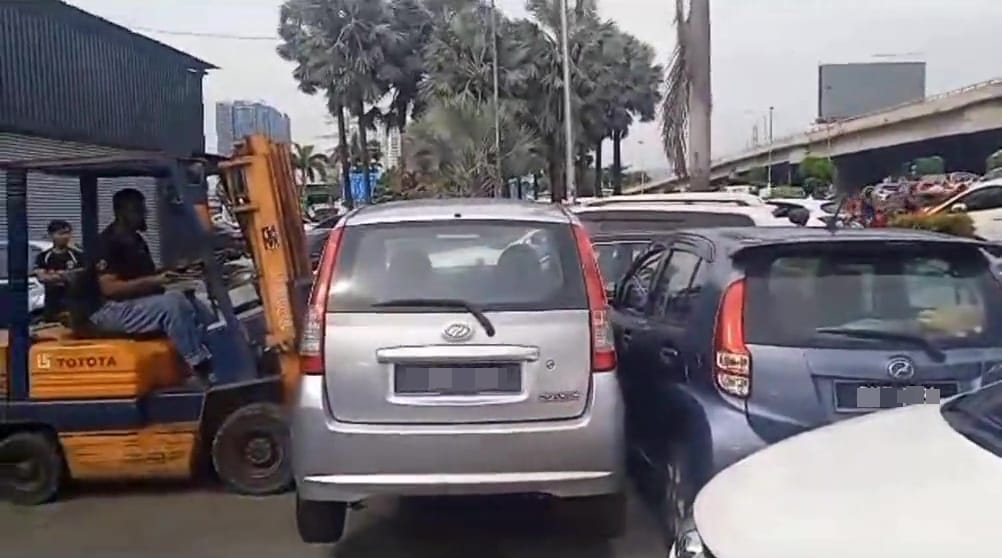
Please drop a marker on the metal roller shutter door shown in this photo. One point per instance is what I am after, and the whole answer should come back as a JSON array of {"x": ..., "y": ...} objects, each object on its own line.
[{"x": 54, "y": 197}]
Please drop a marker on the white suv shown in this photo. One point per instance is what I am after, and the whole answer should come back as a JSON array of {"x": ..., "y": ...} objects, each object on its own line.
[
  {"x": 657, "y": 217},
  {"x": 457, "y": 347}
]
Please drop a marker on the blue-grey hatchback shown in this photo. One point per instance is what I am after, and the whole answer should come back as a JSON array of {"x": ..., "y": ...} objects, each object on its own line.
[{"x": 731, "y": 339}]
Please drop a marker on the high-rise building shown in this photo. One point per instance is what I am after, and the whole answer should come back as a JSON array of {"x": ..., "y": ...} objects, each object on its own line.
[{"x": 237, "y": 119}]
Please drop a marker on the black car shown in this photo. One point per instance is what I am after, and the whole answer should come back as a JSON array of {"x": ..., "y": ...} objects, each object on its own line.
[
  {"x": 316, "y": 238},
  {"x": 733, "y": 339}
]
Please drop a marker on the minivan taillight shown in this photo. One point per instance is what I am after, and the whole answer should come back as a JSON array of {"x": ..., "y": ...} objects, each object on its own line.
[
  {"x": 732, "y": 361},
  {"x": 603, "y": 348},
  {"x": 311, "y": 342}
]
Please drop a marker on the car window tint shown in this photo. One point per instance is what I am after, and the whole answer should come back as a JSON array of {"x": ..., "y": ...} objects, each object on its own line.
[
  {"x": 637, "y": 289},
  {"x": 615, "y": 258},
  {"x": 499, "y": 265},
  {"x": 674, "y": 283},
  {"x": 945, "y": 295}
]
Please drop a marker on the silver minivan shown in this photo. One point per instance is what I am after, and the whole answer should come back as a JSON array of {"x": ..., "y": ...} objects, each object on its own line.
[{"x": 457, "y": 347}]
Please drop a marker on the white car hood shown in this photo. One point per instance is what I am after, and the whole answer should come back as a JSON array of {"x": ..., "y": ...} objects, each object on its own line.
[{"x": 898, "y": 483}]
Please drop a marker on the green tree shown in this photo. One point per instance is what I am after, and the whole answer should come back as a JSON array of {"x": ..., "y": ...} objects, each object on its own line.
[
  {"x": 544, "y": 90},
  {"x": 405, "y": 69},
  {"x": 819, "y": 168},
  {"x": 635, "y": 89},
  {"x": 930, "y": 165},
  {"x": 310, "y": 166},
  {"x": 453, "y": 142},
  {"x": 341, "y": 47}
]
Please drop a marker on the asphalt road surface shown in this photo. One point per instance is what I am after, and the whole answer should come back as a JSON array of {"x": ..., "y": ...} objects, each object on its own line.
[{"x": 153, "y": 523}]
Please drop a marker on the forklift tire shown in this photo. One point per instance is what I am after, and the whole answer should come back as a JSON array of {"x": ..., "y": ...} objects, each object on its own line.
[
  {"x": 250, "y": 451},
  {"x": 320, "y": 522},
  {"x": 32, "y": 466}
]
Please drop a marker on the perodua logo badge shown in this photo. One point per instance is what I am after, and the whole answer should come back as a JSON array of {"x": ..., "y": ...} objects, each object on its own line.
[
  {"x": 900, "y": 368},
  {"x": 457, "y": 332}
]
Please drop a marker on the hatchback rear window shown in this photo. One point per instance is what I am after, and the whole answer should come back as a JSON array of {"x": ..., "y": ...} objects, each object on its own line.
[
  {"x": 658, "y": 221},
  {"x": 497, "y": 265},
  {"x": 944, "y": 295}
]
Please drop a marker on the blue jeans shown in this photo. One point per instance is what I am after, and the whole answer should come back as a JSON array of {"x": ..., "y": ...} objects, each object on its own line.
[{"x": 172, "y": 313}]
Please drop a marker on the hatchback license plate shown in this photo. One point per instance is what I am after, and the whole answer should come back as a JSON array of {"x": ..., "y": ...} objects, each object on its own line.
[
  {"x": 863, "y": 397},
  {"x": 472, "y": 379}
]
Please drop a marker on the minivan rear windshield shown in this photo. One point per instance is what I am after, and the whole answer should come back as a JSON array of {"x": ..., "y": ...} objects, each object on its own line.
[
  {"x": 658, "y": 221},
  {"x": 944, "y": 296},
  {"x": 495, "y": 265}
]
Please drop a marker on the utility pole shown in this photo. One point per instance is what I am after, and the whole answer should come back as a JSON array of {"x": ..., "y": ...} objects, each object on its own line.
[
  {"x": 570, "y": 187},
  {"x": 769, "y": 159},
  {"x": 696, "y": 33},
  {"x": 497, "y": 97}
]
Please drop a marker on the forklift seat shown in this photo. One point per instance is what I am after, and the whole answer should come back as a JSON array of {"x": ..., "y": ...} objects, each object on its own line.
[{"x": 88, "y": 331}]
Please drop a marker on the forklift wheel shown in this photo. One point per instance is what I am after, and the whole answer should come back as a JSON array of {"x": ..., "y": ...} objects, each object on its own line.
[
  {"x": 250, "y": 451},
  {"x": 32, "y": 468}
]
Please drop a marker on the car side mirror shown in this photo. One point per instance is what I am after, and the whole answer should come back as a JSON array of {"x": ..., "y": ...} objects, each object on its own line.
[
  {"x": 958, "y": 208},
  {"x": 799, "y": 216}
]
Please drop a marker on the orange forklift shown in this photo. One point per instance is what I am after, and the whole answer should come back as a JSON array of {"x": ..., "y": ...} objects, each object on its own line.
[{"x": 76, "y": 404}]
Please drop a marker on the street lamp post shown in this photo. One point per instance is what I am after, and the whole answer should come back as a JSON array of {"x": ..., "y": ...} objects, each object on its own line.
[
  {"x": 768, "y": 169},
  {"x": 571, "y": 189},
  {"x": 497, "y": 116}
]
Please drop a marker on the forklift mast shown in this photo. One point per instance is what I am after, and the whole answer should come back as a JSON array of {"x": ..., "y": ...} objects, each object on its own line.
[{"x": 260, "y": 189}]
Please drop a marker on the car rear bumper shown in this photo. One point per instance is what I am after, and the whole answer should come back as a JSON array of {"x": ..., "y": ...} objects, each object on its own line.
[
  {"x": 347, "y": 462},
  {"x": 731, "y": 437}
]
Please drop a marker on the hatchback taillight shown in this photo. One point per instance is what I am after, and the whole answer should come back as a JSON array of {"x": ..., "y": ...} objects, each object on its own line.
[
  {"x": 603, "y": 347},
  {"x": 732, "y": 365},
  {"x": 311, "y": 342}
]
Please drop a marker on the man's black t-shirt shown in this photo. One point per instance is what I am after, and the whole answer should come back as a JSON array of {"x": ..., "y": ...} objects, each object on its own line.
[
  {"x": 123, "y": 254},
  {"x": 55, "y": 293}
]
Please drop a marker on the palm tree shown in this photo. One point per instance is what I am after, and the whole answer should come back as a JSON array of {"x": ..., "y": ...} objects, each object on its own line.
[
  {"x": 454, "y": 142},
  {"x": 310, "y": 166},
  {"x": 688, "y": 102},
  {"x": 308, "y": 39},
  {"x": 412, "y": 21},
  {"x": 341, "y": 46},
  {"x": 459, "y": 62},
  {"x": 545, "y": 88}
]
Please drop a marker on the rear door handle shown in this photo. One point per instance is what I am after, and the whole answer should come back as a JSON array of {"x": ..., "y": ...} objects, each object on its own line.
[{"x": 627, "y": 335}]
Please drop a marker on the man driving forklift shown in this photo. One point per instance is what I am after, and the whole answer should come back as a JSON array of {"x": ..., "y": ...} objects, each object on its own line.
[
  {"x": 84, "y": 404},
  {"x": 131, "y": 297}
]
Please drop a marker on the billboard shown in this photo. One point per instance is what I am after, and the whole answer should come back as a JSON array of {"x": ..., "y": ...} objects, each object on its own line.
[{"x": 849, "y": 90}]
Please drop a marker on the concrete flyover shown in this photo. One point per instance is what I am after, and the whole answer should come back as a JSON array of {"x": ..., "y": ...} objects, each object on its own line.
[{"x": 965, "y": 126}]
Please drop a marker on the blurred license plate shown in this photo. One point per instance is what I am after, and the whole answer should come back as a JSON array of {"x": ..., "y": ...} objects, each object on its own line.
[
  {"x": 853, "y": 396},
  {"x": 457, "y": 380}
]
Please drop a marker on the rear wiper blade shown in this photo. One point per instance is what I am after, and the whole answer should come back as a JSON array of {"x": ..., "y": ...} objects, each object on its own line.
[
  {"x": 933, "y": 351},
  {"x": 473, "y": 309}
]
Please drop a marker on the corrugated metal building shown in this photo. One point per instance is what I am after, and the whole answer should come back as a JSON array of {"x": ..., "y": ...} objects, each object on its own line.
[{"x": 74, "y": 84}]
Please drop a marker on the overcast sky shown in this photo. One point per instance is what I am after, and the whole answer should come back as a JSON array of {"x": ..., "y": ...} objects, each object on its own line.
[{"x": 765, "y": 52}]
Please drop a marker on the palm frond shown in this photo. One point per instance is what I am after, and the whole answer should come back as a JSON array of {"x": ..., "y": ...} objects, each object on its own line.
[{"x": 675, "y": 104}]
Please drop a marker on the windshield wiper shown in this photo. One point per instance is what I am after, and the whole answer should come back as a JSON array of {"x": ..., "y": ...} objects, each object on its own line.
[
  {"x": 933, "y": 351},
  {"x": 442, "y": 303}
]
